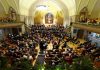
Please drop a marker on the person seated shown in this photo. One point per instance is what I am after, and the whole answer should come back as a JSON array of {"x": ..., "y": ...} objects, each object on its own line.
[
  {"x": 68, "y": 59},
  {"x": 64, "y": 45}
]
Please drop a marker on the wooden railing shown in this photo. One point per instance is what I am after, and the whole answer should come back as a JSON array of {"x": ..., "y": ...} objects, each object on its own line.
[
  {"x": 10, "y": 25},
  {"x": 91, "y": 28}
]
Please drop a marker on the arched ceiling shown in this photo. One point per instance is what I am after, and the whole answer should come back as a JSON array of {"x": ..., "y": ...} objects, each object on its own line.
[
  {"x": 53, "y": 6},
  {"x": 2, "y": 11},
  {"x": 9, "y": 3},
  {"x": 93, "y": 7},
  {"x": 70, "y": 4},
  {"x": 74, "y": 6},
  {"x": 49, "y": 7}
]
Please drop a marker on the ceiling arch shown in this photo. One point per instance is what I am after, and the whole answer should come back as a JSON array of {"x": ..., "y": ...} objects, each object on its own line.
[
  {"x": 71, "y": 5},
  {"x": 26, "y": 4},
  {"x": 92, "y": 6},
  {"x": 74, "y": 6},
  {"x": 96, "y": 10},
  {"x": 12, "y": 3},
  {"x": 55, "y": 6},
  {"x": 2, "y": 10},
  {"x": 4, "y": 5}
]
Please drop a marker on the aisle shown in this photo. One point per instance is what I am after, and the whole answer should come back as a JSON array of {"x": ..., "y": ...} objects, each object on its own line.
[
  {"x": 40, "y": 59},
  {"x": 41, "y": 56}
]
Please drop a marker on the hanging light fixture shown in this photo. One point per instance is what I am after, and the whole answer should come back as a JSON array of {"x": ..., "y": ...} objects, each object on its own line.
[{"x": 41, "y": 7}]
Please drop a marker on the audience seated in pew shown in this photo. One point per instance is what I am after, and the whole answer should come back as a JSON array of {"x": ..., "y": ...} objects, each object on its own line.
[{"x": 17, "y": 47}]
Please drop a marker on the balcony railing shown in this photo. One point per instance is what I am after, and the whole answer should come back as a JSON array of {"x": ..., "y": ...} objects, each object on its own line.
[
  {"x": 10, "y": 25},
  {"x": 87, "y": 26}
]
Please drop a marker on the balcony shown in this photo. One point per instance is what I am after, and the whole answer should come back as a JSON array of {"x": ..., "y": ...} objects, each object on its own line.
[
  {"x": 10, "y": 25},
  {"x": 87, "y": 26}
]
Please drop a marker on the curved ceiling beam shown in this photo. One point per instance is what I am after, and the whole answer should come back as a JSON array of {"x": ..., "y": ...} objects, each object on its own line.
[
  {"x": 13, "y": 4},
  {"x": 93, "y": 6},
  {"x": 89, "y": 5},
  {"x": 81, "y": 5},
  {"x": 88, "y": 2},
  {"x": 74, "y": 5},
  {"x": 16, "y": 6},
  {"x": 3, "y": 6},
  {"x": 71, "y": 5},
  {"x": 2, "y": 11},
  {"x": 24, "y": 6},
  {"x": 77, "y": 5},
  {"x": 8, "y": 5}
]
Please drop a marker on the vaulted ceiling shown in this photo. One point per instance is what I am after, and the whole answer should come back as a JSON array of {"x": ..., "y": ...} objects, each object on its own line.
[
  {"x": 72, "y": 7},
  {"x": 93, "y": 7}
]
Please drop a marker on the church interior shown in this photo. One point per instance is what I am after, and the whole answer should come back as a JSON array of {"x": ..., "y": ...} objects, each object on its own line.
[{"x": 49, "y": 35}]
